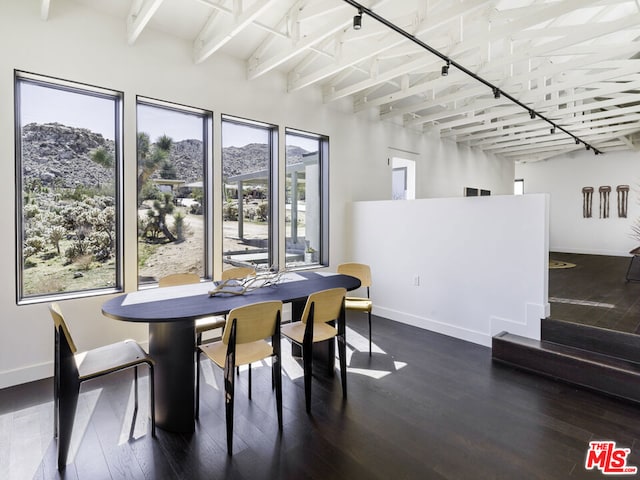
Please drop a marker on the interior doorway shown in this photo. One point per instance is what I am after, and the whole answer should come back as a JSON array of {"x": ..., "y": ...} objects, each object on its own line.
[{"x": 403, "y": 179}]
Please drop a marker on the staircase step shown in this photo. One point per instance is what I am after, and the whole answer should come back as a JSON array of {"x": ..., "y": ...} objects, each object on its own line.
[
  {"x": 608, "y": 342},
  {"x": 596, "y": 371}
]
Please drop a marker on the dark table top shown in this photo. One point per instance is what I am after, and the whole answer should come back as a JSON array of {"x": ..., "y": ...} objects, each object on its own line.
[{"x": 189, "y": 302}]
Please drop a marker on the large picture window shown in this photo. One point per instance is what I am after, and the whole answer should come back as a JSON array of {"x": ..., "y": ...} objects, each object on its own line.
[
  {"x": 172, "y": 152},
  {"x": 68, "y": 157},
  {"x": 248, "y": 159},
  {"x": 306, "y": 199}
]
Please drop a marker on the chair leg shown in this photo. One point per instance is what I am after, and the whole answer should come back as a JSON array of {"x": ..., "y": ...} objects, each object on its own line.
[
  {"x": 228, "y": 400},
  {"x": 307, "y": 363},
  {"x": 249, "y": 381},
  {"x": 342, "y": 353},
  {"x": 67, "y": 403},
  {"x": 276, "y": 376},
  {"x": 56, "y": 394},
  {"x": 135, "y": 385},
  {"x": 369, "y": 333},
  {"x": 152, "y": 398},
  {"x": 197, "y": 413}
]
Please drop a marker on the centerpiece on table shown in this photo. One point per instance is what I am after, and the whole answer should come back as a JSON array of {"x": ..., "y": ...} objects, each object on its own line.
[{"x": 235, "y": 286}]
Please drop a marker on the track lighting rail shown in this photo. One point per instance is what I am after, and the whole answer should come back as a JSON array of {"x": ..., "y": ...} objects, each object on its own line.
[{"x": 497, "y": 92}]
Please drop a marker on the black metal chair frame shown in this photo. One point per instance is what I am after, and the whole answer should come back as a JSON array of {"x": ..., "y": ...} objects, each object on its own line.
[
  {"x": 307, "y": 353},
  {"x": 67, "y": 381},
  {"x": 229, "y": 378}
]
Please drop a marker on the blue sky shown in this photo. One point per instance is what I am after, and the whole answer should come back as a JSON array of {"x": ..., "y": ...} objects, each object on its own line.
[{"x": 46, "y": 105}]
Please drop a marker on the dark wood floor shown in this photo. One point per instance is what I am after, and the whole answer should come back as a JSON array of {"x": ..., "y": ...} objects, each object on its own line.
[
  {"x": 595, "y": 292},
  {"x": 425, "y": 406}
]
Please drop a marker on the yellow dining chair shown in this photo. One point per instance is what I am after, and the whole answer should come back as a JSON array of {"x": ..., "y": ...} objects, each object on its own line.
[
  {"x": 208, "y": 323},
  {"x": 238, "y": 273},
  {"x": 321, "y": 307},
  {"x": 359, "y": 304},
  {"x": 243, "y": 342},
  {"x": 202, "y": 324},
  {"x": 72, "y": 368}
]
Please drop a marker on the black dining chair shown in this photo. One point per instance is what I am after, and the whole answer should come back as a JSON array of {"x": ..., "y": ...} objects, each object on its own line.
[
  {"x": 320, "y": 309},
  {"x": 243, "y": 342},
  {"x": 72, "y": 368}
]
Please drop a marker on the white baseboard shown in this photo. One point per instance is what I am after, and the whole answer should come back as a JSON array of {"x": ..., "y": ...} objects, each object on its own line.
[
  {"x": 31, "y": 373},
  {"x": 18, "y": 376},
  {"x": 469, "y": 335}
]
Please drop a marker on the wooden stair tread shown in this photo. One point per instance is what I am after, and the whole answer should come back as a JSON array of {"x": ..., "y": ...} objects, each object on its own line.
[
  {"x": 586, "y": 337},
  {"x": 575, "y": 353},
  {"x": 592, "y": 370}
]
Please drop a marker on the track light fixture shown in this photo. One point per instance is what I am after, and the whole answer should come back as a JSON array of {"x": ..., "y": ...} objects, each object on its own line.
[
  {"x": 497, "y": 93},
  {"x": 445, "y": 69},
  {"x": 357, "y": 20}
]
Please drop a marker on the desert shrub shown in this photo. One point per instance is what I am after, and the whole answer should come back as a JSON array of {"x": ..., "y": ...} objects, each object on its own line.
[
  {"x": 262, "y": 212},
  {"x": 196, "y": 208},
  {"x": 33, "y": 245},
  {"x": 155, "y": 223},
  {"x": 55, "y": 235},
  {"x": 148, "y": 227},
  {"x": 100, "y": 245},
  {"x": 230, "y": 212},
  {"x": 78, "y": 248},
  {"x": 31, "y": 211},
  {"x": 178, "y": 225}
]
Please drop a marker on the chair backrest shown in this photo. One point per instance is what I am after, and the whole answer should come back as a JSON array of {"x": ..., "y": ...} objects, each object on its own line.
[
  {"x": 178, "y": 279},
  {"x": 327, "y": 305},
  {"x": 61, "y": 326},
  {"x": 359, "y": 270},
  {"x": 238, "y": 272},
  {"x": 254, "y": 322}
]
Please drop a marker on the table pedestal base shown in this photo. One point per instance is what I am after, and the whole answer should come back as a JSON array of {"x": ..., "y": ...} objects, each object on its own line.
[{"x": 171, "y": 345}]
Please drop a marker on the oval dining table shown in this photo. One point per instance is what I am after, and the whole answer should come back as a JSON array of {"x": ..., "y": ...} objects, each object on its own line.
[{"x": 171, "y": 313}]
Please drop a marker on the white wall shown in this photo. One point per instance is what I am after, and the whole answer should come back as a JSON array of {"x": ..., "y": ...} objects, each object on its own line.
[
  {"x": 563, "y": 179},
  {"x": 79, "y": 45},
  {"x": 481, "y": 263}
]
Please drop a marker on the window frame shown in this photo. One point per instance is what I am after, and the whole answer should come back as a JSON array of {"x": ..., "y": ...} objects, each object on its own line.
[
  {"x": 207, "y": 142},
  {"x": 117, "y": 96},
  {"x": 323, "y": 168},
  {"x": 273, "y": 182}
]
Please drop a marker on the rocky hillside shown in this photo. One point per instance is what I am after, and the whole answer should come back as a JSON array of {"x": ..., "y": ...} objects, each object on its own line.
[
  {"x": 58, "y": 155},
  {"x": 253, "y": 158}
]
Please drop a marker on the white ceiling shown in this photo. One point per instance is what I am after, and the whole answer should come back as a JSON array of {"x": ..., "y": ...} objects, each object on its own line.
[{"x": 575, "y": 62}]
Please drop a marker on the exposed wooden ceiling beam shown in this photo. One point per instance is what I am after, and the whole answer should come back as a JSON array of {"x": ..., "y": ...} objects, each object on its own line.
[
  {"x": 506, "y": 30},
  {"x": 139, "y": 15},
  {"x": 204, "y": 47},
  {"x": 45, "y": 5},
  {"x": 385, "y": 43}
]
